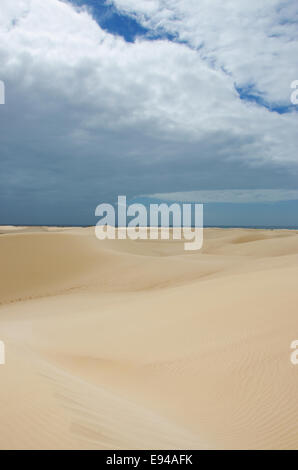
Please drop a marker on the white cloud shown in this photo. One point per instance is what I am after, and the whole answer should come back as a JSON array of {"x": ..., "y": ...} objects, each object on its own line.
[
  {"x": 170, "y": 88},
  {"x": 229, "y": 196},
  {"x": 255, "y": 42}
]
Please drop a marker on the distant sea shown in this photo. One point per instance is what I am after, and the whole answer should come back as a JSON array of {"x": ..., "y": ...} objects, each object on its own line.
[{"x": 259, "y": 227}]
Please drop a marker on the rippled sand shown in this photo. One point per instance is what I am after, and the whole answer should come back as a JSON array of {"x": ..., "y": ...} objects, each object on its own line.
[{"x": 139, "y": 344}]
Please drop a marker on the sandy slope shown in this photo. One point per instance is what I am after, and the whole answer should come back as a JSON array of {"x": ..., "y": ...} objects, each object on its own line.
[{"x": 122, "y": 344}]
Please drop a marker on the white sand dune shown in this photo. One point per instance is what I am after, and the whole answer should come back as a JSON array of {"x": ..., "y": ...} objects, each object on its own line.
[{"x": 139, "y": 344}]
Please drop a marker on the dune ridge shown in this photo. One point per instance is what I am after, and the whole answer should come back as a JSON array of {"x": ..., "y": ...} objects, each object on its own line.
[{"x": 138, "y": 344}]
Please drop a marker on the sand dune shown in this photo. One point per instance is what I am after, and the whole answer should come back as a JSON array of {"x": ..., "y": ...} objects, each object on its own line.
[{"x": 139, "y": 344}]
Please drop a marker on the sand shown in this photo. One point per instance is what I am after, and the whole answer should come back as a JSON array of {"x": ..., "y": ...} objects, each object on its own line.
[{"x": 141, "y": 345}]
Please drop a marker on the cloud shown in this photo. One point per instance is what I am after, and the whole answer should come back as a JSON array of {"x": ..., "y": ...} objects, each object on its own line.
[
  {"x": 235, "y": 196},
  {"x": 89, "y": 116},
  {"x": 254, "y": 42}
]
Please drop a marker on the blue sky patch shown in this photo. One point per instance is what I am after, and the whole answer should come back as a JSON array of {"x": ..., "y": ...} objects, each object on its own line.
[
  {"x": 116, "y": 22},
  {"x": 251, "y": 94},
  {"x": 113, "y": 21}
]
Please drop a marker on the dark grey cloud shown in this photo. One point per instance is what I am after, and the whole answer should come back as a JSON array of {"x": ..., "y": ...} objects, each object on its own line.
[{"x": 89, "y": 116}]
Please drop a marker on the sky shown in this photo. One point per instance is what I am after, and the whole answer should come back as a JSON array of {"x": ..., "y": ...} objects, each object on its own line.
[{"x": 175, "y": 100}]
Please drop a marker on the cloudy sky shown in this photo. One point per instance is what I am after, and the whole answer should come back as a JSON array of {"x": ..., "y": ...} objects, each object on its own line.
[{"x": 173, "y": 99}]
